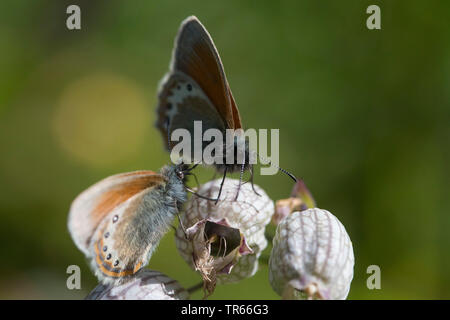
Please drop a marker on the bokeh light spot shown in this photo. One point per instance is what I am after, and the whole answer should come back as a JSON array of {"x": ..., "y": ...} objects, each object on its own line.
[{"x": 101, "y": 119}]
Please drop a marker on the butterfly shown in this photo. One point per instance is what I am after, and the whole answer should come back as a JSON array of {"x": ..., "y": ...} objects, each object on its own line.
[
  {"x": 118, "y": 222},
  {"x": 196, "y": 89}
]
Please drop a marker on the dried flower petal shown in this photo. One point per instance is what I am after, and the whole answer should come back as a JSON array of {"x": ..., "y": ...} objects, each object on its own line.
[
  {"x": 145, "y": 285},
  {"x": 223, "y": 241},
  {"x": 285, "y": 207},
  {"x": 300, "y": 199},
  {"x": 312, "y": 257}
]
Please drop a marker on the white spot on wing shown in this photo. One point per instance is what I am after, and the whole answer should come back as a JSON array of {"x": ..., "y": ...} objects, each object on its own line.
[{"x": 180, "y": 93}]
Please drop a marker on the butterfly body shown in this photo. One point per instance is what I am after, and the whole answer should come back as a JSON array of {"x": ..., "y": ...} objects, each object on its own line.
[{"x": 118, "y": 222}]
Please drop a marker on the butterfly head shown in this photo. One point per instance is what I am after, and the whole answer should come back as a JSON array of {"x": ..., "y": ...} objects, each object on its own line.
[
  {"x": 181, "y": 170},
  {"x": 175, "y": 178}
]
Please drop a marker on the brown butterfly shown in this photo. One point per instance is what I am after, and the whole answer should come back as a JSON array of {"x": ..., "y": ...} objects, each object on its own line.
[
  {"x": 118, "y": 222},
  {"x": 196, "y": 89}
]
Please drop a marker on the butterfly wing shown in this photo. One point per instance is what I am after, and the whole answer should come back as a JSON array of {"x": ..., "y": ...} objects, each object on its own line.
[
  {"x": 196, "y": 55},
  {"x": 196, "y": 87},
  {"x": 235, "y": 112},
  {"x": 118, "y": 222},
  {"x": 179, "y": 107}
]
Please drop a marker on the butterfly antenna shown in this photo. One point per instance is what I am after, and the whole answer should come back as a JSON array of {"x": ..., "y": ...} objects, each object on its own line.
[
  {"x": 198, "y": 195},
  {"x": 195, "y": 177},
  {"x": 279, "y": 168},
  {"x": 193, "y": 167}
]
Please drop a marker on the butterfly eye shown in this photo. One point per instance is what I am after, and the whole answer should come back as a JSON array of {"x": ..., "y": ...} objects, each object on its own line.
[
  {"x": 180, "y": 174},
  {"x": 115, "y": 218}
]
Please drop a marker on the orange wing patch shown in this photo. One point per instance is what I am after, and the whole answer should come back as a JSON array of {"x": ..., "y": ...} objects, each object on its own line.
[{"x": 120, "y": 193}]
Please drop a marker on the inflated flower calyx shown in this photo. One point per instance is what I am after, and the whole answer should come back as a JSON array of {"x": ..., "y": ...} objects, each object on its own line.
[
  {"x": 223, "y": 242},
  {"x": 145, "y": 285},
  {"x": 299, "y": 200},
  {"x": 312, "y": 257}
]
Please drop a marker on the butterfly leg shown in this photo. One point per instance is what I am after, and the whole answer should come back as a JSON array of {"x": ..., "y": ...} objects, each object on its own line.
[
  {"x": 221, "y": 184},
  {"x": 198, "y": 195},
  {"x": 240, "y": 181},
  {"x": 181, "y": 225},
  {"x": 251, "y": 180}
]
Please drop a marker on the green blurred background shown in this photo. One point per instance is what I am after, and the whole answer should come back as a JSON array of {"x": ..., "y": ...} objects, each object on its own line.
[{"x": 363, "y": 115}]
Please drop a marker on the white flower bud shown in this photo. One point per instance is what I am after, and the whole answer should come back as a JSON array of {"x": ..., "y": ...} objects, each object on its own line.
[
  {"x": 224, "y": 241},
  {"x": 312, "y": 257},
  {"x": 145, "y": 285}
]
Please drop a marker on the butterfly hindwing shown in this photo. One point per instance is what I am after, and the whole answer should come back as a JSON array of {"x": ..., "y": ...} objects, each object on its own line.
[
  {"x": 126, "y": 239},
  {"x": 181, "y": 102},
  {"x": 118, "y": 222}
]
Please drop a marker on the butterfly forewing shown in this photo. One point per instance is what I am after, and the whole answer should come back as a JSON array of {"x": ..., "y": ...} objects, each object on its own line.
[
  {"x": 196, "y": 55},
  {"x": 235, "y": 112}
]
